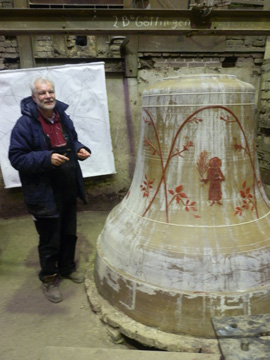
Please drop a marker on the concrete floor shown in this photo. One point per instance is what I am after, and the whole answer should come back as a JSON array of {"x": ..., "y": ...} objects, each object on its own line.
[
  {"x": 29, "y": 322},
  {"x": 33, "y": 328}
]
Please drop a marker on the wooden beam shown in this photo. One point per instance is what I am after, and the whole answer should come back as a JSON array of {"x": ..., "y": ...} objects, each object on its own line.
[
  {"x": 26, "y": 51},
  {"x": 25, "y": 41},
  {"x": 130, "y": 51},
  {"x": 76, "y": 2},
  {"x": 131, "y": 21},
  {"x": 249, "y": 2},
  {"x": 23, "y": 4},
  {"x": 267, "y": 46}
]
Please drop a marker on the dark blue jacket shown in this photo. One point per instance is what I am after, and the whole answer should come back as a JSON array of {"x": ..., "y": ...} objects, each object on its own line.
[{"x": 29, "y": 154}]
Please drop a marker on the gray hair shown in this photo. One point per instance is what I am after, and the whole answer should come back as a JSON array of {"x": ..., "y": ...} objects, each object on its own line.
[{"x": 43, "y": 79}]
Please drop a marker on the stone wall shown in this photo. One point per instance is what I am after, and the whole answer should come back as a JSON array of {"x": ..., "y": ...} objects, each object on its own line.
[
  {"x": 6, "y": 4},
  {"x": 264, "y": 126},
  {"x": 8, "y": 45},
  {"x": 9, "y": 56}
]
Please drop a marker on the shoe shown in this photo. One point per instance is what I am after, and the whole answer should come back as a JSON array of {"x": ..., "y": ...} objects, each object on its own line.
[
  {"x": 52, "y": 292},
  {"x": 75, "y": 276}
]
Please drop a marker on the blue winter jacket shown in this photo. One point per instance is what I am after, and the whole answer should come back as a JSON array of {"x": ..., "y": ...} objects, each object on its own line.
[{"x": 29, "y": 154}]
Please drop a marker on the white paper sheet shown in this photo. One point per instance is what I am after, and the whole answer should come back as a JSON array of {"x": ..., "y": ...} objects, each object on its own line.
[{"x": 83, "y": 88}]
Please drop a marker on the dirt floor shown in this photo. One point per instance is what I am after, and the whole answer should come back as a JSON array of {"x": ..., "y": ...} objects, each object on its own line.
[{"x": 29, "y": 322}]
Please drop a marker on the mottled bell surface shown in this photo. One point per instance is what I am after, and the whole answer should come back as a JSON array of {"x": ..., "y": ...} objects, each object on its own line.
[{"x": 190, "y": 241}]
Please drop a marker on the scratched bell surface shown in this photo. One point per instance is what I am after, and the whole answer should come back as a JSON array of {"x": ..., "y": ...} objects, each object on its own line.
[{"x": 190, "y": 240}]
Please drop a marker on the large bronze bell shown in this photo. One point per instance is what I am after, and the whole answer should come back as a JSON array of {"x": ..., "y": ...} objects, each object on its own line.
[{"x": 191, "y": 239}]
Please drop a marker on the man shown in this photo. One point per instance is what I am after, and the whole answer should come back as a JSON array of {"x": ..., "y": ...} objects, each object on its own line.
[{"x": 44, "y": 148}]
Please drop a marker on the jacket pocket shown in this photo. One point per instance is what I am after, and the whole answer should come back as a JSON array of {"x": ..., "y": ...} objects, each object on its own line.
[{"x": 38, "y": 196}]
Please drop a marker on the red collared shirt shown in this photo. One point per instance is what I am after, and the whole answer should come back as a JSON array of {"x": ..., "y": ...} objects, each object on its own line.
[{"x": 53, "y": 129}]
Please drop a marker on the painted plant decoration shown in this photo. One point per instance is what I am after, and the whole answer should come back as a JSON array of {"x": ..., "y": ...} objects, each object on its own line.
[
  {"x": 247, "y": 202},
  {"x": 209, "y": 170},
  {"x": 247, "y": 193}
]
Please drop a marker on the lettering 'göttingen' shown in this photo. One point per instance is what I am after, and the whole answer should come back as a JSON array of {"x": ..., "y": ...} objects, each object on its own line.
[{"x": 145, "y": 22}]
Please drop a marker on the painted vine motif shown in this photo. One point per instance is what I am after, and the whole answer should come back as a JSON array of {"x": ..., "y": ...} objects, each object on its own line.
[{"x": 209, "y": 170}]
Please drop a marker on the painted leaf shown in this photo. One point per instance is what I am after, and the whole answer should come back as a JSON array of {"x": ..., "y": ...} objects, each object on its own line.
[
  {"x": 171, "y": 192},
  {"x": 179, "y": 188},
  {"x": 242, "y": 194},
  {"x": 183, "y": 195}
]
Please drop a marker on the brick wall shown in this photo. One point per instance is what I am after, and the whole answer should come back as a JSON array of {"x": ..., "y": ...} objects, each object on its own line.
[
  {"x": 9, "y": 55},
  {"x": 249, "y": 49},
  {"x": 207, "y": 61},
  {"x": 6, "y": 4},
  {"x": 264, "y": 126},
  {"x": 64, "y": 46}
]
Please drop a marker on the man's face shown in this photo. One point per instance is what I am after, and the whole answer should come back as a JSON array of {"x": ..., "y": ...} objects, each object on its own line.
[{"x": 44, "y": 96}]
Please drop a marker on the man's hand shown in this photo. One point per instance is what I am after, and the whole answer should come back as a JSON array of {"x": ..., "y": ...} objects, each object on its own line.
[
  {"x": 83, "y": 154},
  {"x": 57, "y": 159}
]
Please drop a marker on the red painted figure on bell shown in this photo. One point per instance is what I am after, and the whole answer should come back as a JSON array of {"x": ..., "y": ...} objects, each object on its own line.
[{"x": 215, "y": 177}]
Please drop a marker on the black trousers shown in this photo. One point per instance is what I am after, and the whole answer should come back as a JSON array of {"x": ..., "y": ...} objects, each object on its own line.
[{"x": 57, "y": 240}]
